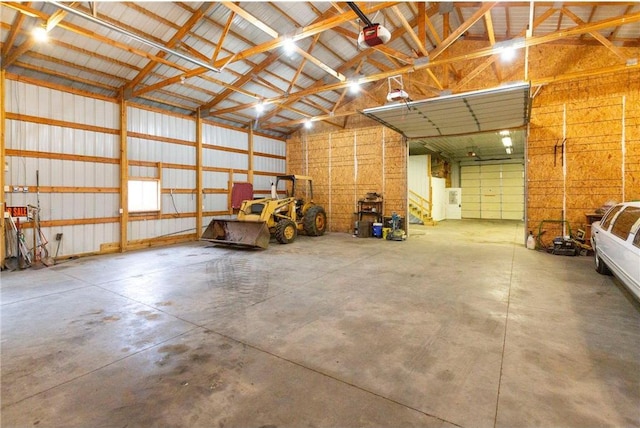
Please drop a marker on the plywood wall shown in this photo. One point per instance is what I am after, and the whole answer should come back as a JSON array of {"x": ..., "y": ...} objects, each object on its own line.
[
  {"x": 598, "y": 119},
  {"x": 346, "y": 165}
]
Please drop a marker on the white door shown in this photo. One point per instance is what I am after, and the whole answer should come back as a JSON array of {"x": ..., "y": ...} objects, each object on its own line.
[
  {"x": 454, "y": 203},
  {"x": 438, "y": 199}
]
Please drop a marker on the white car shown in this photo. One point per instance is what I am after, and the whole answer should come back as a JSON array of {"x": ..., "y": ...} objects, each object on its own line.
[{"x": 616, "y": 244}]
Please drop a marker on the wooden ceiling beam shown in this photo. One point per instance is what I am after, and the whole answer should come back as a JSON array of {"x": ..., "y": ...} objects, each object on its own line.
[
  {"x": 241, "y": 81},
  {"x": 448, "y": 41},
  {"x": 177, "y": 36},
  {"x": 223, "y": 36},
  {"x": 344, "y": 91},
  {"x": 492, "y": 41},
  {"x": 250, "y": 18},
  {"x": 596, "y": 35},
  {"x": 70, "y": 77},
  {"x": 20, "y": 7},
  {"x": 13, "y": 32},
  {"x": 293, "y": 81},
  {"x": 422, "y": 26},
  {"x": 409, "y": 30},
  {"x": 492, "y": 59},
  {"x": 615, "y": 31},
  {"x": 320, "y": 64},
  {"x": 17, "y": 52}
]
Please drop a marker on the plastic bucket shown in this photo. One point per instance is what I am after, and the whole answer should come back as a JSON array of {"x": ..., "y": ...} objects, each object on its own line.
[{"x": 377, "y": 230}]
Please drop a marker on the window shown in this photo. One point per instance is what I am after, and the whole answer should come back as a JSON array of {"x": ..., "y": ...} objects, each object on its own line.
[
  {"x": 606, "y": 220},
  {"x": 144, "y": 195},
  {"x": 624, "y": 221}
]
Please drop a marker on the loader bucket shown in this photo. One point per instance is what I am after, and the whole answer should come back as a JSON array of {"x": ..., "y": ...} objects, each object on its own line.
[{"x": 249, "y": 234}]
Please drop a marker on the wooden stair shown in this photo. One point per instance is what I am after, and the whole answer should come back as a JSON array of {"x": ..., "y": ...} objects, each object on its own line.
[{"x": 420, "y": 208}]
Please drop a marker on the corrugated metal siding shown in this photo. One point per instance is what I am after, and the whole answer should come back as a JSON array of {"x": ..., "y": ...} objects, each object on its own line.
[
  {"x": 52, "y": 104},
  {"x": 48, "y": 103},
  {"x": 158, "y": 124}
]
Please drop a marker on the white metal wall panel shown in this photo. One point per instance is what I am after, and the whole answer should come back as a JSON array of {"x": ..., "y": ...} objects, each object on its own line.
[
  {"x": 261, "y": 163},
  {"x": 237, "y": 177},
  {"x": 215, "y": 202},
  {"x": 262, "y": 182},
  {"x": 161, "y": 125},
  {"x": 215, "y": 180},
  {"x": 45, "y": 103},
  {"x": 158, "y": 151},
  {"x": 269, "y": 145},
  {"x": 150, "y": 229},
  {"x": 31, "y": 100},
  {"x": 225, "y": 137},
  {"x": 223, "y": 159}
]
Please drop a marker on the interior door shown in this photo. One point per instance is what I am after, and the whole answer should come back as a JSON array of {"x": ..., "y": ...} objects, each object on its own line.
[{"x": 454, "y": 203}]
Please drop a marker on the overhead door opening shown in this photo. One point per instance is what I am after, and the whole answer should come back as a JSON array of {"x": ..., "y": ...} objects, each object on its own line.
[{"x": 480, "y": 135}]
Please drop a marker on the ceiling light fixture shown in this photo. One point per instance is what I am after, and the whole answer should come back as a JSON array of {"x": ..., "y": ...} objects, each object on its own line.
[
  {"x": 40, "y": 34},
  {"x": 289, "y": 46},
  {"x": 506, "y": 141},
  {"x": 507, "y": 48},
  {"x": 354, "y": 87},
  {"x": 308, "y": 124},
  {"x": 508, "y": 54},
  {"x": 260, "y": 107}
]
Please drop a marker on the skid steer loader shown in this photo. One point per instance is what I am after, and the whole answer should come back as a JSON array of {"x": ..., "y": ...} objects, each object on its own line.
[{"x": 260, "y": 219}]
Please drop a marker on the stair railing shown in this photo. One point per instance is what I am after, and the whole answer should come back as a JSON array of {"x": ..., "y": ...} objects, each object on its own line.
[{"x": 422, "y": 204}]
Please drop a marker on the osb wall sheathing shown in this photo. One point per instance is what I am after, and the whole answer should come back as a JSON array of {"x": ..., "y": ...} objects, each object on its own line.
[
  {"x": 346, "y": 165},
  {"x": 599, "y": 119}
]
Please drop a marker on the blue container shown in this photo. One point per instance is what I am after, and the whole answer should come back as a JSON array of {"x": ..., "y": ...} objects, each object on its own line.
[{"x": 377, "y": 230}]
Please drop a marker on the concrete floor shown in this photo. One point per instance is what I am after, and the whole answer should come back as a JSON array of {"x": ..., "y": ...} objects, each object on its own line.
[{"x": 458, "y": 326}]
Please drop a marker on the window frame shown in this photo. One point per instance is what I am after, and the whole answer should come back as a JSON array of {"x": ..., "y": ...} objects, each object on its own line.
[
  {"x": 156, "y": 208},
  {"x": 609, "y": 216},
  {"x": 624, "y": 222}
]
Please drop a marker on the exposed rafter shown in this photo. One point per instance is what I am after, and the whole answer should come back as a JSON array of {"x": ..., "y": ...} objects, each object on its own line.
[{"x": 434, "y": 47}]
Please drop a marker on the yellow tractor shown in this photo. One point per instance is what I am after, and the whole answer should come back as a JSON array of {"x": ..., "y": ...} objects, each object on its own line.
[{"x": 260, "y": 219}]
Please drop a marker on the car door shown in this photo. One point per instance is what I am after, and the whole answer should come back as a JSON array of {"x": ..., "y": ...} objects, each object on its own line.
[
  {"x": 623, "y": 254},
  {"x": 603, "y": 238}
]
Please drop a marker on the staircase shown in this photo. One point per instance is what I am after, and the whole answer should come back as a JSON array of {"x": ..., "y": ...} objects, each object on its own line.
[{"x": 420, "y": 209}]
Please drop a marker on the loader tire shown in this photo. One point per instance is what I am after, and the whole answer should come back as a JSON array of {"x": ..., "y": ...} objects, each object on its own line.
[
  {"x": 286, "y": 231},
  {"x": 315, "y": 221}
]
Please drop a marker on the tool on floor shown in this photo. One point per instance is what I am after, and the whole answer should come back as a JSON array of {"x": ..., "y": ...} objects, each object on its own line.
[{"x": 396, "y": 234}]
